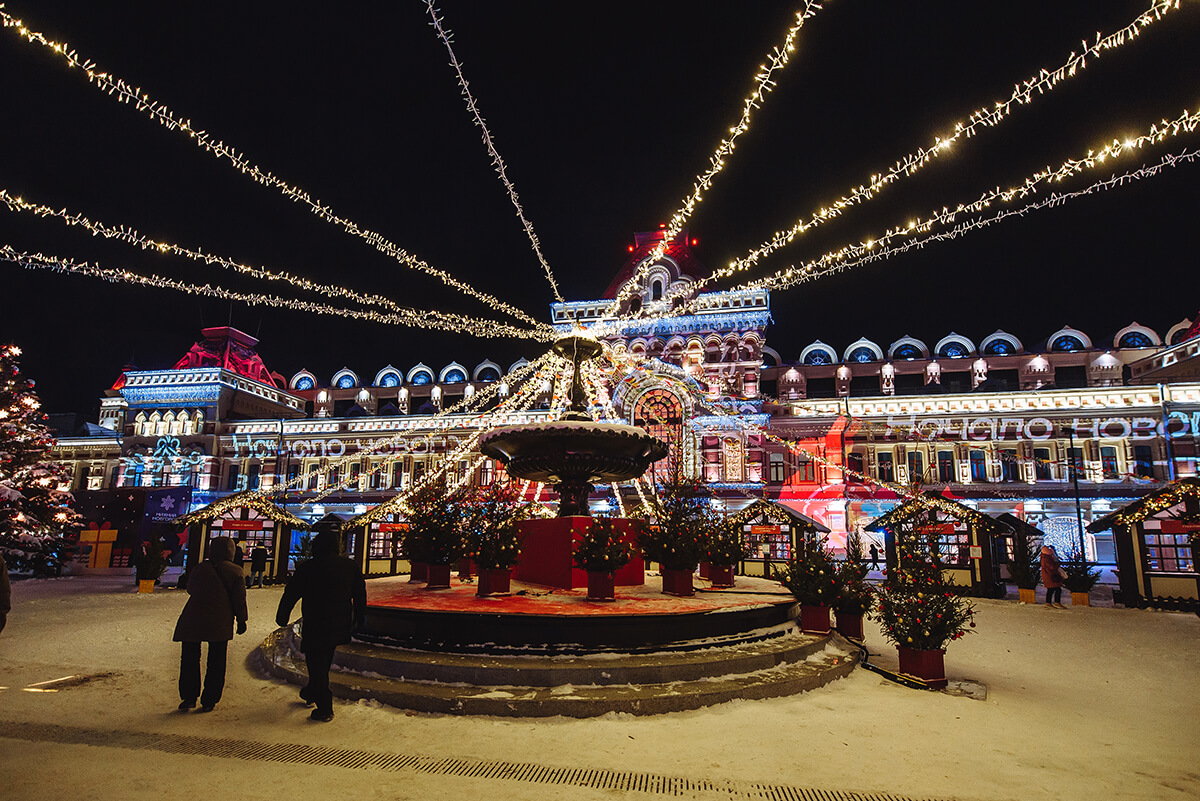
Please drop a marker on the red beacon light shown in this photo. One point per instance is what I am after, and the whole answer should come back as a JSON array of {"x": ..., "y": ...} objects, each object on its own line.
[
  {"x": 631, "y": 248},
  {"x": 695, "y": 242}
]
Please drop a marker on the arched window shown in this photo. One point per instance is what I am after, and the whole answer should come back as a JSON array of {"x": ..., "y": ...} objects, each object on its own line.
[
  {"x": 140, "y": 427},
  {"x": 953, "y": 350},
  {"x": 305, "y": 383},
  {"x": 390, "y": 380},
  {"x": 1135, "y": 339},
  {"x": 998, "y": 347},
  {"x": 455, "y": 377},
  {"x": 660, "y": 413},
  {"x": 656, "y": 290},
  {"x": 422, "y": 378},
  {"x": 172, "y": 425},
  {"x": 1066, "y": 344},
  {"x": 818, "y": 357},
  {"x": 489, "y": 374},
  {"x": 906, "y": 351},
  {"x": 346, "y": 381},
  {"x": 862, "y": 355}
]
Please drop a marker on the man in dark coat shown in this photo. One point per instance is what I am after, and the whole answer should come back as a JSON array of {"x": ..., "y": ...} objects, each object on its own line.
[
  {"x": 334, "y": 602},
  {"x": 216, "y": 596},
  {"x": 258, "y": 565}
]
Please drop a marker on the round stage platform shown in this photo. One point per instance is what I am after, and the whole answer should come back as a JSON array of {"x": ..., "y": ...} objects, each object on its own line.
[{"x": 538, "y": 619}]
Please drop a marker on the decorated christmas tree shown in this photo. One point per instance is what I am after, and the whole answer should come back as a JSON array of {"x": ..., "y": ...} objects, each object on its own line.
[
  {"x": 436, "y": 525},
  {"x": 601, "y": 549},
  {"x": 918, "y": 607},
  {"x": 725, "y": 545},
  {"x": 854, "y": 596},
  {"x": 810, "y": 574},
  {"x": 491, "y": 516},
  {"x": 36, "y": 520},
  {"x": 683, "y": 521}
]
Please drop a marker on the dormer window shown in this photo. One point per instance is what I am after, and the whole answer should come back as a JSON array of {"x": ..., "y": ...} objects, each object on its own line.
[{"x": 656, "y": 290}]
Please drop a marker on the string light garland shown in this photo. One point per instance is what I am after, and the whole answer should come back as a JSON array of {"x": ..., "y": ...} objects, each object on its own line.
[
  {"x": 1024, "y": 92},
  {"x": 763, "y": 83},
  {"x": 132, "y": 237},
  {"x": 413, "y": 318},
  {"x": 141, "y": 101},
  {"x": 489, "y": 143}
]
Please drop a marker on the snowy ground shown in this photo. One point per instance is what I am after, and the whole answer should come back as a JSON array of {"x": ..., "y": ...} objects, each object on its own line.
[{"x": 1082, "y": 704}]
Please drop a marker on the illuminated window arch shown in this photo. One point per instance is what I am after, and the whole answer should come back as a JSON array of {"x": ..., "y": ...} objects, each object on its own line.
[
  {"x": 660, "y": 412},
  {"x": 1135, "y": 339},
  {"x": 1066, "y": 344}
]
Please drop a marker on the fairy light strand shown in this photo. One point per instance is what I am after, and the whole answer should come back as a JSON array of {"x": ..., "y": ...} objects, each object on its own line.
[
  {"x": 410, "y": 317},
  {"x": 497, "y": 162},
  {"x": 1024, "y": 92},
  {"x": 125, "y": 92},
  {"x": 132, "y": 237}
]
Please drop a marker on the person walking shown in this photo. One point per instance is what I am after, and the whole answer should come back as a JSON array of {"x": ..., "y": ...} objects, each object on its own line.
[
  {"x": 216, "y": 597},
  {"x": 258, "y": 565},
  {"x": 333, "y": 599},
  {"x": 239, "y": 559},
  {"x": 874, "y": 556},
  {"x": 1052, "y": 577},
  {"x": 5, "y": 593}
]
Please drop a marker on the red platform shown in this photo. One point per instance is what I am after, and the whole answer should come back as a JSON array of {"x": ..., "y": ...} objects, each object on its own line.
[{"x": 548, "y": 547}]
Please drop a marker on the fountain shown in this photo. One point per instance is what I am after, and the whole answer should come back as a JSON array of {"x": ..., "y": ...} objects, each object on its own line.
[{"x": 574, "y": 452}]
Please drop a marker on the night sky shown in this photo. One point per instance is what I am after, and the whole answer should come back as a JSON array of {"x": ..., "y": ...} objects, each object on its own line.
[{"x": 604, "y": 114}]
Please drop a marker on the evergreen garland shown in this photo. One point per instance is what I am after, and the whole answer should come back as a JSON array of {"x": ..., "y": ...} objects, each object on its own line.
[
  {"x": 601, "y": 549},
  {"x": 810, "y": 574},
  {"x": 37, "y": 522},
  {"x": 854, "y": 595},
  {"x": 918, "y": 607}
]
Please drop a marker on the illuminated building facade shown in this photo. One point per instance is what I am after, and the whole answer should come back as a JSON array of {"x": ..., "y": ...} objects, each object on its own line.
[{"x": 1067, "y": 429}]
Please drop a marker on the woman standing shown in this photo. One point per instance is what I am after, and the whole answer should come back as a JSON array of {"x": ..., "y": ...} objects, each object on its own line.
[
  {"x": 1052, "y": 578},
  {"x": 216, "y": 596}
]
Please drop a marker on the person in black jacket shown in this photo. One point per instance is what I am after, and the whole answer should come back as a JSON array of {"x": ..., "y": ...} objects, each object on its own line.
[
  {"x": 334, "y": 601},
  {"x": 258, "y": 565},
  {"x": 216, "y": 597}
]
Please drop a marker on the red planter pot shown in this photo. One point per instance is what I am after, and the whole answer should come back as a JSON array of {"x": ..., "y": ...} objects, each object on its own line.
[
  {"x": 494, "y": 580},
  {"x": 705, "y": 567},
  {"x": 721, "y": 575},
  {"x": 814, "y": 619},
  {"x": 677, "y": 582},
  {"x": 420, "y": 571},
  {"x": 464, "y": 568},
  {"x": 850, "y": 626},
  {"x": 927, "y": 665},
  {"x": 438, "y": 577},
  {"x": 601, "y": 586}
]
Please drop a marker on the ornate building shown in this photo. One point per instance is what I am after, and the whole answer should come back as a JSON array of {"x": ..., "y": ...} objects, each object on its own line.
[{"x": 1058, "y": 432}]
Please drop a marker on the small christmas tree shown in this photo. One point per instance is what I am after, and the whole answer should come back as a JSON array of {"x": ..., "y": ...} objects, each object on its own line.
[
  {"x": 725, "y": 545},
  {"x": 601, "y": 549},
  {"x": 491, "y": 523},
  {"x": 918, "y": 608},
  {"x": 1025, "y": 566},
  {"x": 36, "y": 520},
  {"x": 810, "y": 574},
  {"x": 854, "y": 596},
  {"x": 683, "y": 522},
  {"x": 435, "y": 525},
  {"x": 1081, "y": 575}
]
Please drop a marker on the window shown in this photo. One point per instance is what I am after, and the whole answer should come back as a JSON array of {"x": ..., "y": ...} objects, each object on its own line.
[
  {"x": 1143, "y": 458},
  {"x": 778, "y": 468},
  {"x": 305, "y": 383},
  {"x": 861, "y": 355},
  {"x": 1041, "y": 464},
  {"x": 733, "y": 459},
  {"x": 1009, "y": 465},
  {"x": 818, "y": 357},
  {"x": 953, "y": 350},
  {"x": 916, "y": 466},
  {"x": 806, "y": 468},
  {"x": 422, "y": 378},
  {"x": 235, "y": 471},
  {"x": 978, "y": 466},
  {"x": 656, "y": 290},
  {"x": 487, "y": 473},
  {"x": 455, "y": 377},
  {"x": 1066, "y": 344},
  {"x": 379, "y": 544},
  {"x": 945, "y": 460},
  {"x": 884, "y": 469},
  {"x": 998, "y": 347},
  {"x": 660, "y": 413},
  {"x": 335, "y": 476},
  {"x": 398, "y": 475},
  {"x": 312, "y": 478},
  {"x": 1108, "y": 463},
  {"x": 293, "y": 472},
  {"x": 345, "y": 382},
  {"x": 1169, "y": 553},
  {"x": 907, "y": 351},
  {"x": 84, "y": 472},
  {"x": 390, "y": 380},
  {"x": 1135, "y": 339},
  {"x": 854, "y": 464},
  {"x": 418, "y": 471},
  {"x": 954, "y": 546},
  {"x": 116, "y": 474},
  {"x": 252, "y": 477},
  {"x": 1075, "y": 464}
]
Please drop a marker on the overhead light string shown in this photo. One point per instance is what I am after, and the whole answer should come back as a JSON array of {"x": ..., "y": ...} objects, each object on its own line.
[
  {"x": 497, "y": 162},
  {"x": 141, "y": 101}
]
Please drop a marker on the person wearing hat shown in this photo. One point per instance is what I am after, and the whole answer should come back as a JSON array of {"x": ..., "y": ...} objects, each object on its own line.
[
  {"x": 333, "y": 602},
  {"x": 216, "y": 597}
]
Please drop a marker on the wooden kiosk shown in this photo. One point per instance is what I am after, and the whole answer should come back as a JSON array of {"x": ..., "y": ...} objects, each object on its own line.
[
  {"x": 769, "y": 530},
  {"x": 249, "y": 519}
]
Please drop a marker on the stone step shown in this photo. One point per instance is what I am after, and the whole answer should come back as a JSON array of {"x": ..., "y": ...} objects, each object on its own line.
[{"x": 578, "y": 687}]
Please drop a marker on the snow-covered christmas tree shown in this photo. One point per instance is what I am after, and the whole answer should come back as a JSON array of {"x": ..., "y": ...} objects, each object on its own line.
[{"x": 35, "y": 516}]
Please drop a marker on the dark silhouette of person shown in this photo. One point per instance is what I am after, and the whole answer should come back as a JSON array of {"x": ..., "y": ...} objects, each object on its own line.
[
  {"x": 333, "y": 598},
  {"x": 874, "y": 557},
  {"x": 5, "y": 593},
  {"x": 216, "y": 597},
  {"x": 258, "y": 565}
]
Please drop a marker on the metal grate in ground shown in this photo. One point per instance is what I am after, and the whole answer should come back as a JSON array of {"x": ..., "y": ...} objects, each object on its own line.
[{"x": 599, "y": 779}]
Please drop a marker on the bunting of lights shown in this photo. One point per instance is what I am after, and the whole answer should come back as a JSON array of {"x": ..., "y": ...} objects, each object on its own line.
[
  {"x": 1025, "y": 92},
  {"x": 414, "y": 318},
  {"x": 489, "y": 143},
  {"x": 131, "y": 236},
  {"x": 763, "y": 83},
  {"x": 141, "y": 101}
]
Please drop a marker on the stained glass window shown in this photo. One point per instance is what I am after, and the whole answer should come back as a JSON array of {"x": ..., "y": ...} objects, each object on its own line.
[{"x": 660, "y": 413}]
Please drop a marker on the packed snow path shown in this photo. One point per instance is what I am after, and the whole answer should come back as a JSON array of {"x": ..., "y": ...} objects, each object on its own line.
[{"x": 1081, "y": 703}]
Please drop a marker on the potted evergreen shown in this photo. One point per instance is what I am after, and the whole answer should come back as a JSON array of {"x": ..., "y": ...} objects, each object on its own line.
[
  {"x": 1081, "y": 576},
  {"x": 601, "y": 552},
  {"x": 492, "y": 541},
  {"x": 810, "y": 575},
  {"x": 918, "y": 608},
  {"x": 1025, "y": 566},
  {"x": 724, "y": 549},
  {"x": 854, "y": 596},
  {"x": 435, "y": 531},
  {"x": 683, "y": 522},
  {"x": 149, "y": 563}
]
